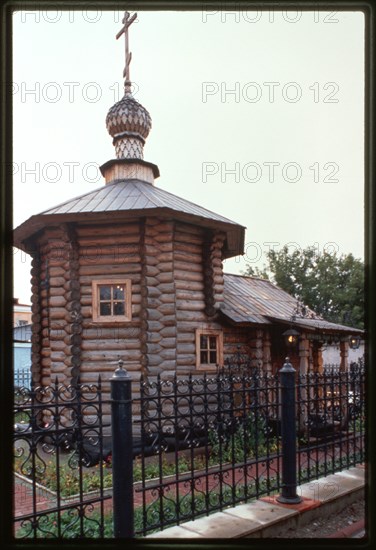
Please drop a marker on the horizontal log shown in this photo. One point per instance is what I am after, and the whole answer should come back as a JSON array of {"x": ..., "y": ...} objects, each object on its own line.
[
  {"x": 190, "y": 305},
  {"x": 185, "y": 335},
  {"x": 185, "y": 325},
  {"x": 104, "y": 271},
  {"x": 102, "y": 332},
  {"x": 155, "y": 325},
  {"x": 183, "y": 294},
  {"x": 57, "y": 314},
  {"x": 57, "y": 356},
  {"x": 169, "y": 343},
  {"x": 167, "y": 299},
  {"x": 152, "y": 248},
  {"x": 56, "y": 271},
  {"x": 165, "y": 277},
  {"x": 190, "y": 265},
  {"x": 57, "y": 281},
  {"x": 151, "y": 271},
  {"x": 188, "y": 247},
  {"x": 98, "y": 230},
  {"x": 192, "y": 286},
  {"x": 58, "y": 345},
  {"x": 72, "y": 295},
  {"x": 73, "y": 284},
  {"x": 72, "y": 339},
  {"x": 57, "y": 301},
  {"x": 56, "y": 291},
  {"x": 169, "y": 331},
  {"x": 153, "y": 349},
  {"x": 106, "y": 345},
  {"x": 168, "y": 354},
  {"x": 182, "y": 256},
  {"x": 186, "y": 360},
  {"x": 89, "y": 375},
  {"x": 151, "y": 281},
  {"x": 166, "y": 288},
  {"x": 154, "y": 315},
  {"x": 129, "y": 261},
  {"x": 167, "y": 309},
  {"x": 166, "y": 266},
  {"x": 155, "y": 227},
  {"x": 111, "y": 356},
  {"x": 162, "y": 260},
  {"x": 186, "y": 348},
  {"x": 72, "y": 361},
  {"x": 182, "y": 227},
  {"x": 114, "y": 246},
  {"x": 154, "y": 360},
  {"x": 194, "y": 316}
]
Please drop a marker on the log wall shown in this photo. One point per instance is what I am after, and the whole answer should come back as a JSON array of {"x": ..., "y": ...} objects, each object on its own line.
[
  {"x": 107, "y": 251},
  {"x": 175, "y": 269},
  {"x": 158, "y": 298}
]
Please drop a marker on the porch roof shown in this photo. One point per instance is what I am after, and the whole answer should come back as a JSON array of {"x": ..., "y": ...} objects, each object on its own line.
[{"x": 249, "y": 300}]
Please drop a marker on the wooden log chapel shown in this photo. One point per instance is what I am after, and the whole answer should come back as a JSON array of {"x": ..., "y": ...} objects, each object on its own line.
[{"x": 131, "y": 271}]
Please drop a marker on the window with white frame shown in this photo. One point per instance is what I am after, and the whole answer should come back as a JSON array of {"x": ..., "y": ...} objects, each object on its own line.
[{"x": 112, "y": 300}]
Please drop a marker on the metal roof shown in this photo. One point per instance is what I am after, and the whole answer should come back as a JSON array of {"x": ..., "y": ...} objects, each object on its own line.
[
  {"x": 250, "y": 300},
  {"x": 133, "y": 197}
]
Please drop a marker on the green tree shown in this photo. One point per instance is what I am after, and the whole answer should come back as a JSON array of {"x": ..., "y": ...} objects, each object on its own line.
[{"x": 330, "y": 284}]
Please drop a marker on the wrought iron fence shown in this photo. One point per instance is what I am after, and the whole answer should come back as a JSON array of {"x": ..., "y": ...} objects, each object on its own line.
[
  {"x": 199, "y": 445},
  {"x": 219, "y": 438},
  {"x": 57, "y": 432},
  {"x": 331, "y": 421}
]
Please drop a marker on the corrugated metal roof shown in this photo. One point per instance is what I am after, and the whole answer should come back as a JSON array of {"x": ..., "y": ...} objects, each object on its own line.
[
  {"x": 133, "y": 197},
  {"x": 252, "y": 300}
]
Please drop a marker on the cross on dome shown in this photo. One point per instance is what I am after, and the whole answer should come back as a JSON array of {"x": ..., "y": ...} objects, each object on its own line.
[
  {"x": 128, "y": 122},
  {"x": 127, "y": 21}
]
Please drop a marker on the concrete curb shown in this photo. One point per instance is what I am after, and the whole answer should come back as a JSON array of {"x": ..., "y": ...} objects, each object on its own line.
[
  {"x": 267, "y": 518},
  {"x": 348, "y": 532}
]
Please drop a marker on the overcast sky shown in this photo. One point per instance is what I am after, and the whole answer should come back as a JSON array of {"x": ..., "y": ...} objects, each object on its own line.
[{"x": 258, "y": 116}]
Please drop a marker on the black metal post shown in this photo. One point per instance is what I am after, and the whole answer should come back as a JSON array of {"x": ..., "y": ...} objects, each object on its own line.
[
  {"x": 122, "y": 453},
  {"x": 288, "y": 429}
]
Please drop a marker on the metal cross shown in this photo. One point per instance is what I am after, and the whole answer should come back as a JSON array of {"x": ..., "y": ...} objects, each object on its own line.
[{"x": 128, "y": 55}]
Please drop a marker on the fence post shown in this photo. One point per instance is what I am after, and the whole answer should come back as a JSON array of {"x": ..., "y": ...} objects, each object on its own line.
[
  {"x": 122, "y": 453},
  {"x": 288, "y": 429}
]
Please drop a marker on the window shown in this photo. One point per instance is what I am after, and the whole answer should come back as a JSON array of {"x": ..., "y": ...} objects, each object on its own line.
[
  {"x": 112, "y": 300},
  {"x": 209, "y": 348}
]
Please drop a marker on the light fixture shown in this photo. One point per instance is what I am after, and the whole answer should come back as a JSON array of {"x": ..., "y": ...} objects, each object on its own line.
[
  {"x": 291, "y": 337},
  {"x": 354, "y": 342}
]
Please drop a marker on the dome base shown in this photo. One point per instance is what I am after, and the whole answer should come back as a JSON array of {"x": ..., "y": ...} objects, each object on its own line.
[{"x": 129, "y": 168}]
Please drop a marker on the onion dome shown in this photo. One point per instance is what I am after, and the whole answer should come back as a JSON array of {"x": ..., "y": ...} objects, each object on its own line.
[{"x": 129, "y": 123}]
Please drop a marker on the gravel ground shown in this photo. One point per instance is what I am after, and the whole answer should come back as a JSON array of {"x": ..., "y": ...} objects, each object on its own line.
[{"x": 323, "y": 527}]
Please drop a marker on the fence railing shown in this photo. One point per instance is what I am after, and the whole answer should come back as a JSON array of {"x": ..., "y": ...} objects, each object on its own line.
[
  {"x": 199, "y": 445},
  {"x": 59, "y": 434}
]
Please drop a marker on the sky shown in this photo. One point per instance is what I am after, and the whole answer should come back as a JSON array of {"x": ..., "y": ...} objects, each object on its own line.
[{"x": 257, "y": 116}]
